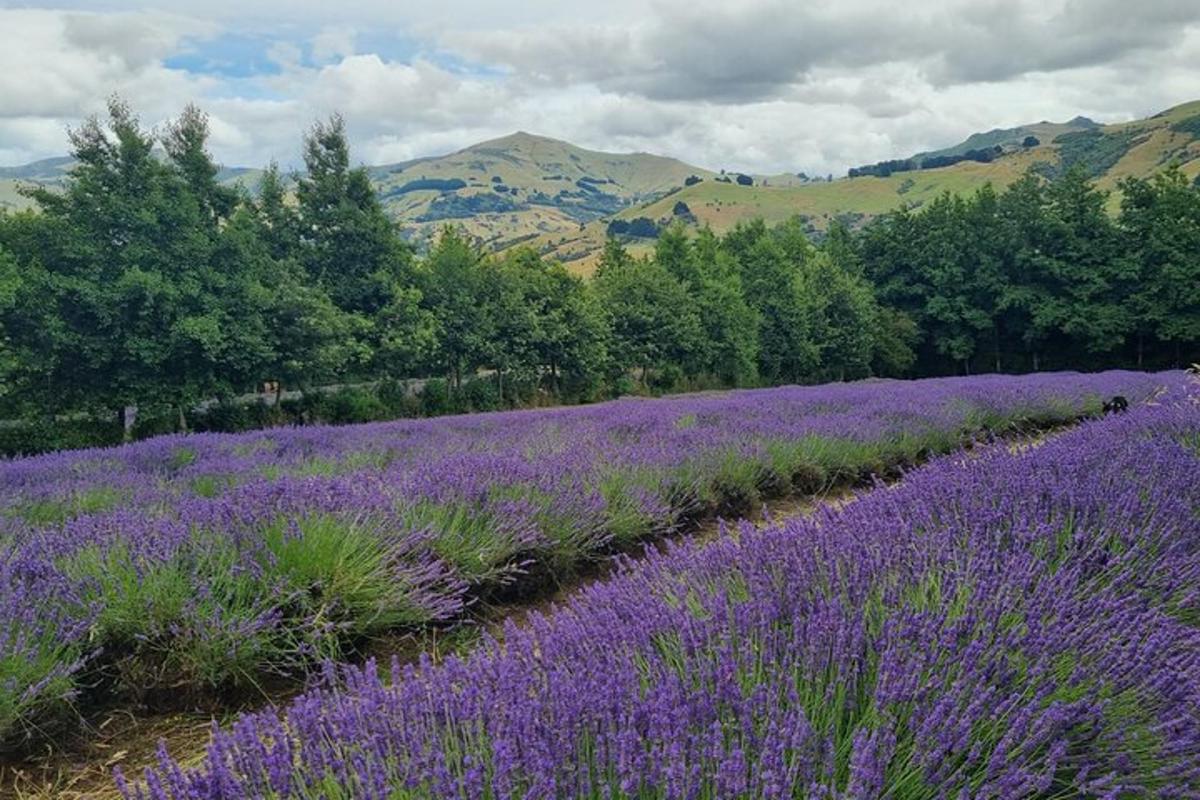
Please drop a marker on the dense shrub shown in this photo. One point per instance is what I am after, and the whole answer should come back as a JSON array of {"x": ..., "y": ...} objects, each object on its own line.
[
  {"x": 435, "y": 184},
  {"x": 26, "y": 437},
  {"x": 1094, "y": 150}
]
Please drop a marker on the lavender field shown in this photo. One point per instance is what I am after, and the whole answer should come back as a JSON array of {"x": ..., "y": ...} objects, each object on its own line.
[
  {"x": 802, "y": 657},
  {"x": 1012, "y": 624}
]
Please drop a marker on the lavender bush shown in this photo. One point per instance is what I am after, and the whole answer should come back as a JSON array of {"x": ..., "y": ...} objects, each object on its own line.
[
  {"x": 208, "y": 560},
  {"x": 1005, "y": 625}
]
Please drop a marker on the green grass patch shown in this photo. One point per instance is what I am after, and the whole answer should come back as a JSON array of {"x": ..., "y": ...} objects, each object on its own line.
[
  {"x": 212, "y": 485},
  {"x": 36, "y": 685},
  {"x": 181, "y": 457},
  {"x": 198, "y": 618},
  {"x": 472, "y": 540},
  {"x": 629, "y": 500},
  {"x": 343, "y": 575},
  {"x": 214, "y": 616},
  {"x": 58, "y": 511}
]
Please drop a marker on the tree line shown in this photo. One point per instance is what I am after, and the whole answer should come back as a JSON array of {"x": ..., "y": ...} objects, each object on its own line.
[
  {"x": 1042, "y": 276},
  {"x": 147, "y": 282}
]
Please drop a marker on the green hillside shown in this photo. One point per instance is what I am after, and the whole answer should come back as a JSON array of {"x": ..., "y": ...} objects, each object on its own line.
[
  {"x": 502, "y": 191},
  {"x": 1012, "y": 137},
  {"x": 562, "y": 199},
  {"x": 52, "y": 172},
  {"x": 523, "y": 186},
  {"x": 1108, "y": 152}
]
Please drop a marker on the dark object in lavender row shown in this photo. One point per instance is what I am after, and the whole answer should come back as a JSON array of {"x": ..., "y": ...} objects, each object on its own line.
[{"x": 1116, "y": 405}]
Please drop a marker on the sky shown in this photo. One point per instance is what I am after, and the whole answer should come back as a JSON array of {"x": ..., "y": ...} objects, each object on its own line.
[{"x": 764, "y": 86}]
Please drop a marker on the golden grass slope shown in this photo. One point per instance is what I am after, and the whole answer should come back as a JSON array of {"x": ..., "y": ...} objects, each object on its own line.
[
  {"x": 722, "y": 206},
  {"x": 542, "y": 197}
]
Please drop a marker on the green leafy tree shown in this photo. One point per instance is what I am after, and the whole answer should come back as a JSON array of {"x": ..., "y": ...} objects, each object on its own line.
[
  {"x": 654, "y": 323},
  {"x": 953, "y": 316},
  {"x": 846, "y": 321},
  {"x": 893, "y": 349},
  {"x": 710, "y": 275},
  {"x": 558, "y": 328},
  {"x": 1083, "y": 281},
  {"x": 128, "y": 253},
  {"x": 453, "y": 284},
  {"x": 510, "y": 299},
  {"x": 186, "y": 143},
  {"x": 1160, "y": 219},
  {"x": 10, "y": 292},
  {"x": 277, "y": 219},
  {"x": 404, "y": 333},
  {"x": 842, "y": 248},
  {"x": 1022, "y": 212},
  {"x": 787, "y": 312},
  {"x": 347, "y": 243}
]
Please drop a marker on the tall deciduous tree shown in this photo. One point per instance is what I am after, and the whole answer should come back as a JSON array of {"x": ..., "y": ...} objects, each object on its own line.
[
  {"x": 771, "y": 275},
  {"x": 730, "y": 324},
  {"x": 846, "y": 318},
  {"x": 654, "y": 323},
  {"x": 1083, "y": 280},
  {"x": 565, "y": 337},
  {"x": 453, "y": 288},
  {"x": 131, "y": 274},
  {"x": 1161, "y": 222}
]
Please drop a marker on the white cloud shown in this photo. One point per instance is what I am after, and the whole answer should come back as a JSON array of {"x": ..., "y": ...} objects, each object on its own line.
[
  {"x": 63, "y": 65},
  {"x": 333, "y": 42}
]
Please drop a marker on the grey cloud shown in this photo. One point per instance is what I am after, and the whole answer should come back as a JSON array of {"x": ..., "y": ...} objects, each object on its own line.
[
  {"x": 744, "y": 52},
  {"x": 136, "y": 40},
  {"x": 995, "y": 41},
  {"x": 755, "y": 85}
]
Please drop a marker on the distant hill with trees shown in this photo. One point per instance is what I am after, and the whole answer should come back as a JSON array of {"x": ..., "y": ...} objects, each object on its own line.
[{"x": 561, "y": 199}]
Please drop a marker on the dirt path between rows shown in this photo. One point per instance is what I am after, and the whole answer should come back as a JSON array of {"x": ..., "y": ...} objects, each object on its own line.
[{"x": 81, "y": 765}]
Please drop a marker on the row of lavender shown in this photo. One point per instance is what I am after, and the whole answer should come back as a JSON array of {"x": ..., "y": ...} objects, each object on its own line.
[
  {"x": 211, "y": 560},
  {"x": 1016, "y": 625}
]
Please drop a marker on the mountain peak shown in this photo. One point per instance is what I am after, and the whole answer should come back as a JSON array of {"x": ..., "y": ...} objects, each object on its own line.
[{"x": 518, "y": 139}]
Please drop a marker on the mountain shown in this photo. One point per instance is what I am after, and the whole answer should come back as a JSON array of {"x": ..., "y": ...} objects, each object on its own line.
[
  {"x": 53, "y": 172},
  {"x": 564, "y": 200},
  {"x": 1109, "y": 153},
  {"x": 1011, "y": 138},
  {"x": 503, "y": 191},
  {"x": 46, "y": 170},
  {"x": 522, "y": 186}
]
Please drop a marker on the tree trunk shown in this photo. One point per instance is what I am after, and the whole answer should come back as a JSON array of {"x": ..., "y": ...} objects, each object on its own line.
[
  {"x": 278, "y": 393},
  {"x": 128, "y": 417},
  {"x": 183, "y": 428},
  {"x": 1036, "y": 367},
  {"x": 500, "y": 384},
  {"x": 1141, "y": 346}
]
